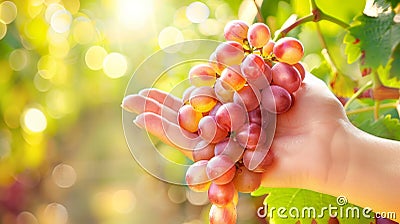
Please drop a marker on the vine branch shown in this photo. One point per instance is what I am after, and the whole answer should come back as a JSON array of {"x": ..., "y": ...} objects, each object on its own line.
[
  {"x": 259, "y": 15},
  {"x": 357, "y": 94},
  {"x": 371, "y": 108},
  {"x": 316, "y": 15}
]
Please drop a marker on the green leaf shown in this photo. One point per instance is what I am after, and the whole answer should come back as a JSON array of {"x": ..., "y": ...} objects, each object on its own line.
[
  {"x": 304, "y": 206},
  {"x": 385, "y": 127},
  {"x": 374, "y": 36},
  {"x": 323, "y": 72}
]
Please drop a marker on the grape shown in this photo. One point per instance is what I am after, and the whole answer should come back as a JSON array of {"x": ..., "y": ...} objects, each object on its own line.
[
  {"x": 215, "y": 108},
  {"x": 202, "y": 75},
  {"x": 188, "y": 118},
  {"x": 258, "y": 160},
  {"x": 223, "y": 215},
  {"x": 186, "y": 94},
  {"x": 231, "y": 116},
  {"x": 286, "y": 76},
  {"x": 223, "y": 94},
  {"x": 300, "y": 68},
  {"x": 229, "y": 53},
  {"x": 203, "y": 99},
  {"x": 288, "y": 50},
  {"x": 221, "y": 195},
  {"x": 236, "y": 30},
  {"x": 277, "y": 100},
  {"x": 212, "y": 61},
  {"x": 258, "y": 35},
  {"x": 264, "y": 80},
  {"x": 246, "y": 181},
  {"x": 196, "y": 176},
  {"x": 230, "y": 148},
  {"x": 268, "y": 48},
  {"x": 250, "y": 135},
  {"x": 210, "y": 131},
  {"x": 252, "y": 66},
  {"x": 231, "y": 77},
  {"x": 203, "y": 151},
  {"x": 221, "y": 169},
  {"x": 249, "y": 96},
  {"x": 255, "y": 116}
]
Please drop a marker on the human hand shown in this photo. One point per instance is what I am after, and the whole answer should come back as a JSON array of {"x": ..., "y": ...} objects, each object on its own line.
[{"x": 301, "y": 147}]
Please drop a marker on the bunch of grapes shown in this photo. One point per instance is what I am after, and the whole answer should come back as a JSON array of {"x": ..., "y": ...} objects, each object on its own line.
[{"x": 248, "y": 78}]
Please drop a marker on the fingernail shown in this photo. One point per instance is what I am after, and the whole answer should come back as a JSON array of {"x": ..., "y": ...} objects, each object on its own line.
[
  {"x": 138, "y": 122},
  {"x": 125, "y": 106}
]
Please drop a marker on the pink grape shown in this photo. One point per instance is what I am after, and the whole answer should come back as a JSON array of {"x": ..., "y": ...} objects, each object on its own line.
[
  {"x": 236, "y": 30},
  {"x": 224, "y": 93},
  {"x": 230, "y": 148},
  {"x": 268, "y": 48},
  {"x": 246, "y": 181},
  {"x": 188, "y": 118},
  {"x": 286, "y": 76},
  {"x": 231, "y": 116},
  {"x": 250, "y": 136},
  {"x": 249, "y": 96},
  {"x": 212, "y": 61},
  {"x": 258, "y": 160},
  {"x": 203, "y": 99},
  {"x": 300, "y": 68},
  {"x": 213, "y": 111},
  {"x": 232, "y": 77},
  {"x": 223, "y": 215},
  {"x": 255, "y": 116},
  {"x": 253, "y": 66},
  {"x": 203, "y": 151},
  {"x": 186, "y": 94},
  {"x": 278, "y": 100},
  {"x": 202, "y": 75},
  {"x": 288, "y": 50},
  {"x": 221, "y": 169},
  {"x": 229, "y": 53},
  {"x": 258, "y": 35},
  {"x": 221, "y": 195},
  {"x": 264, "y": 80},
  {"x": 210, "y": 131},
  {"x": 196, "y": 176}
]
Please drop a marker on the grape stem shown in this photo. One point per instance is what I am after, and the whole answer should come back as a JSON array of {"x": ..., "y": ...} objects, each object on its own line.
[
  {"x": 371, "y": 108},
  {"x": 316, "y": 15},
  {"x": 260, "y": 18},
  {"x": 357, "y": 94}
]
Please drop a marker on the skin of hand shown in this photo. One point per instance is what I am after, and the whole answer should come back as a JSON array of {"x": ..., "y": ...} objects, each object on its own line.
[{"x": 315, "y": 146}]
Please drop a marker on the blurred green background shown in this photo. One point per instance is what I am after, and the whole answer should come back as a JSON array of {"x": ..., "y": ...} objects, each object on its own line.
[{"x": 64, "y": 68}]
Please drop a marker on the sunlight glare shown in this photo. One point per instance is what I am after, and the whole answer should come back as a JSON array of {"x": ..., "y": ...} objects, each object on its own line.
[{"x": 135, "y": 14}]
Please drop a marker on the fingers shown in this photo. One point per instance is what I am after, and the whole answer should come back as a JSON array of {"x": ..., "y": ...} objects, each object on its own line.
[
  {"x": 139, "y": 104},
  {"x": 168, "y": 132},
  {"x": 163, "y": 98}
]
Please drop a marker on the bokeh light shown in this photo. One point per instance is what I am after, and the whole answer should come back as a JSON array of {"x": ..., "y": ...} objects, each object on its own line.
[
  {"x": 83, "y": 31},
  {"x": 3, "y": 30},
  {"x": 197, "y": 12},
  {"x": 115, "y": 65},
  {"x": 26, "y": 218},
  {"x": 8, "y": 12},
  {"x": 55, "y": 213},
  {"x": 61, "y": 21},
  {"x": 95, "y": 56},
  {"x": 18, "y": 59},
  {"x": 170, "y": 36},
  {"x": 64, "y": 175},
  {"x": 123, "y": 201},
  {"x": 34, "y": 120}
]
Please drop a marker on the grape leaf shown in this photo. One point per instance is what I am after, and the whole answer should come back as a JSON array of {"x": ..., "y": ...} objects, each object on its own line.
[
  {"x": 373, "y": 37},
  {"x": 304, "y": 205},
  {"x": 385, "y": 127}
]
